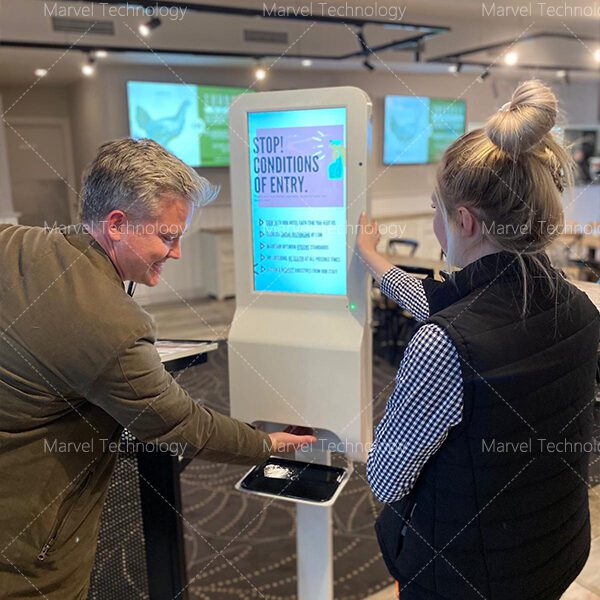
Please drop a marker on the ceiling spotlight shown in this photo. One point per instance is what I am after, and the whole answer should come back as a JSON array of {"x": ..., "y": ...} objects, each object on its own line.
[
  {"x": 100, "y": 53},
  {"x": 89, "y": 67},
  {"x": 146, "y": 28},
  {"x": 511, "y": 58},
  {"x": 367, "y": 65},
  {"x": 40, "y": 72},
  {"x": 453, "y": 68},
  {"x": 597, "y": 55},
  {"x": 561, "y": 74},
  {"x": 260, "y": 73},
  {"x": 306, "y": 62}
]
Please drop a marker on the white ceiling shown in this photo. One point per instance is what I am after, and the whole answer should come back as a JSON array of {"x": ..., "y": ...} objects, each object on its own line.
[{"x": 29, "y": 20}]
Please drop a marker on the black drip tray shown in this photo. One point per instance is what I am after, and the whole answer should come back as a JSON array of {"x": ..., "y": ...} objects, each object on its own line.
[{"x": 295, "y": 481}]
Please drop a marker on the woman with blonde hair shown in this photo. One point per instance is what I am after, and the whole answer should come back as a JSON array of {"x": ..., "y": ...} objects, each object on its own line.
[{"x": 482, "y": 454}]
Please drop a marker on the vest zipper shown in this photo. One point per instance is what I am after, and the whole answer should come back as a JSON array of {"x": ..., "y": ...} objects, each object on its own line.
[
  {"x": 407, "y": 520},
  {"x": 61, "y": 519}
]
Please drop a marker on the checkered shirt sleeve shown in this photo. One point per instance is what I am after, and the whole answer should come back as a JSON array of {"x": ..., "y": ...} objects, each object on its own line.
[
  {"x": 407, "y": 291},
  {"x": 426, "y": 403}
]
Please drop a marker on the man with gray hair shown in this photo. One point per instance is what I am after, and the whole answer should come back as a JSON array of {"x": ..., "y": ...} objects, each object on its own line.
[
  {"x": 78, "y": 364},
  {"x": 136, "y": 201}
]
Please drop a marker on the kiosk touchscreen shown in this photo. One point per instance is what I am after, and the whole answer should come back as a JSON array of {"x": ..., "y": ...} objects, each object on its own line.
[
  {"x": 298, "y": 179},
  {"x": 300, "y": 341}
]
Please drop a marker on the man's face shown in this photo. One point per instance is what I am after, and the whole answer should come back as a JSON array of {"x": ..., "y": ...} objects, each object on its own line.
[{"x": 144, "y": 247}]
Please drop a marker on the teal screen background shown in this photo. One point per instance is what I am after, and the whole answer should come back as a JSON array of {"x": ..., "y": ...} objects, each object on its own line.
[
  {"x": 418, "y": 130},
  {"x": 298, "y": 179}
]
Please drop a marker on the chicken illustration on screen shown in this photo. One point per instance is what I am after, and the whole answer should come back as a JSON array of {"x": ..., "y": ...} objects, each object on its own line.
[{"x": 165, "y": 129}]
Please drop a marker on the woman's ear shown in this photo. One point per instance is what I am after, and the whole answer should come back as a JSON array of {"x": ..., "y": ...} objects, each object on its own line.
[{"x": 467, "y": 222}]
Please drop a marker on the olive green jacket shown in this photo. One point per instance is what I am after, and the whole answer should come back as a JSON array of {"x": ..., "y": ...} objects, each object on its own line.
[{"x": 77, "y": 365}]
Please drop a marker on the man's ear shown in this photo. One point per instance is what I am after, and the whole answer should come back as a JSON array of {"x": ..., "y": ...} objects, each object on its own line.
[
  {"x": 114, "y": 224},
  {"x": 467, "y": 222}
]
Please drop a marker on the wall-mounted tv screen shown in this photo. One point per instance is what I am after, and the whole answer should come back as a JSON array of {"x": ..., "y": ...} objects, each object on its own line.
[
  {"x": 417, "y": 130},
  {"x": 191, "y": 121}
]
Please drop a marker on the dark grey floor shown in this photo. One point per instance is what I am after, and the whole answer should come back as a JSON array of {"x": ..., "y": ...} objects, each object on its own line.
[
  {"x": 241, "y": 546},
  {"x": 256, "y": 537}
]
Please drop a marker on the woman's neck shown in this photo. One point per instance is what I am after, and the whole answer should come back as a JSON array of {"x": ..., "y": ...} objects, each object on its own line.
[{"x": 473, "y": 254}]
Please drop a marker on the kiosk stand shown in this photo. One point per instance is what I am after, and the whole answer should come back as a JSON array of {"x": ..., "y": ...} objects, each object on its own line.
[
  {"x": 314, "y": 542},
  {"x": 300, "y": 341}
]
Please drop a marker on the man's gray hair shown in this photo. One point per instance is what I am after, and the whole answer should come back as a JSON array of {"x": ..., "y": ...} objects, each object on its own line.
[{"x": 132, "y": 176}]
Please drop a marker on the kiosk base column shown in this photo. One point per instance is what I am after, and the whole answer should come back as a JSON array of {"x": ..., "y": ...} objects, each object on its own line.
[{"x": 314, "y": 542}]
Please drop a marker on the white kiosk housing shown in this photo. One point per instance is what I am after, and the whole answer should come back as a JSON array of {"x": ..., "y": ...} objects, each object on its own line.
[{"x": 300, "y": 341}]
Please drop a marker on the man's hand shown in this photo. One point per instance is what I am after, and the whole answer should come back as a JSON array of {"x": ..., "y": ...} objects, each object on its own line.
[
  {"x": 368, "y": 236},
  {"x": 286, "y": 442}
]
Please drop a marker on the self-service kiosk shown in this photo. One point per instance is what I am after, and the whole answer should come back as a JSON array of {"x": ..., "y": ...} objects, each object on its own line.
[{"x": 300, "y": 341}]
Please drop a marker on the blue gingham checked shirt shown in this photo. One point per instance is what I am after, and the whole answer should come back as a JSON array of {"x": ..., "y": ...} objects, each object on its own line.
[{"x": 427, "y": 400}]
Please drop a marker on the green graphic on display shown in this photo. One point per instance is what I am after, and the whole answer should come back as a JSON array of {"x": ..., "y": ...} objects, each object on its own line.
[
  {"x": 213, "y": 109},
  {"x": 447, "y": 119}
]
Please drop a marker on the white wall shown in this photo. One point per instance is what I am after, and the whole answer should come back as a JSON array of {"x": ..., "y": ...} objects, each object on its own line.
[
  {"x": 89, "y": 116},
  {"x": 395, "y": 189},
  {"x": 6, "y": 205},
  {"x": 97, "y": 108},
  {"x": 40, "y": 101}
]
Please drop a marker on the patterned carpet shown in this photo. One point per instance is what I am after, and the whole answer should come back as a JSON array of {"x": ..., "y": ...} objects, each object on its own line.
[
  {"x": 257, "y": 536},
  {"x": 238, "y": 545}
]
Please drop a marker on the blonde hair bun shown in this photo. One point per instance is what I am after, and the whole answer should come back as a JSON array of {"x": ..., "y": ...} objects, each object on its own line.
[{"x": 523, "y": 122}]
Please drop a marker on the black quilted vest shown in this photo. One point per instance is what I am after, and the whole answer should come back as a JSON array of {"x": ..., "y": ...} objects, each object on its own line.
[{"x": 498, "y": 512}]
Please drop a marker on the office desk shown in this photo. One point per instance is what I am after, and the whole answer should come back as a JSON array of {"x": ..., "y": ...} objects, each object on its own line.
[
  {"x": 583, "y": 254},
  {"x": 591, "y": 289},
  {"x": 416, "y": 265},
  {"x": 593, "y": 292},
  {"x": 140, "y": 546}
]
